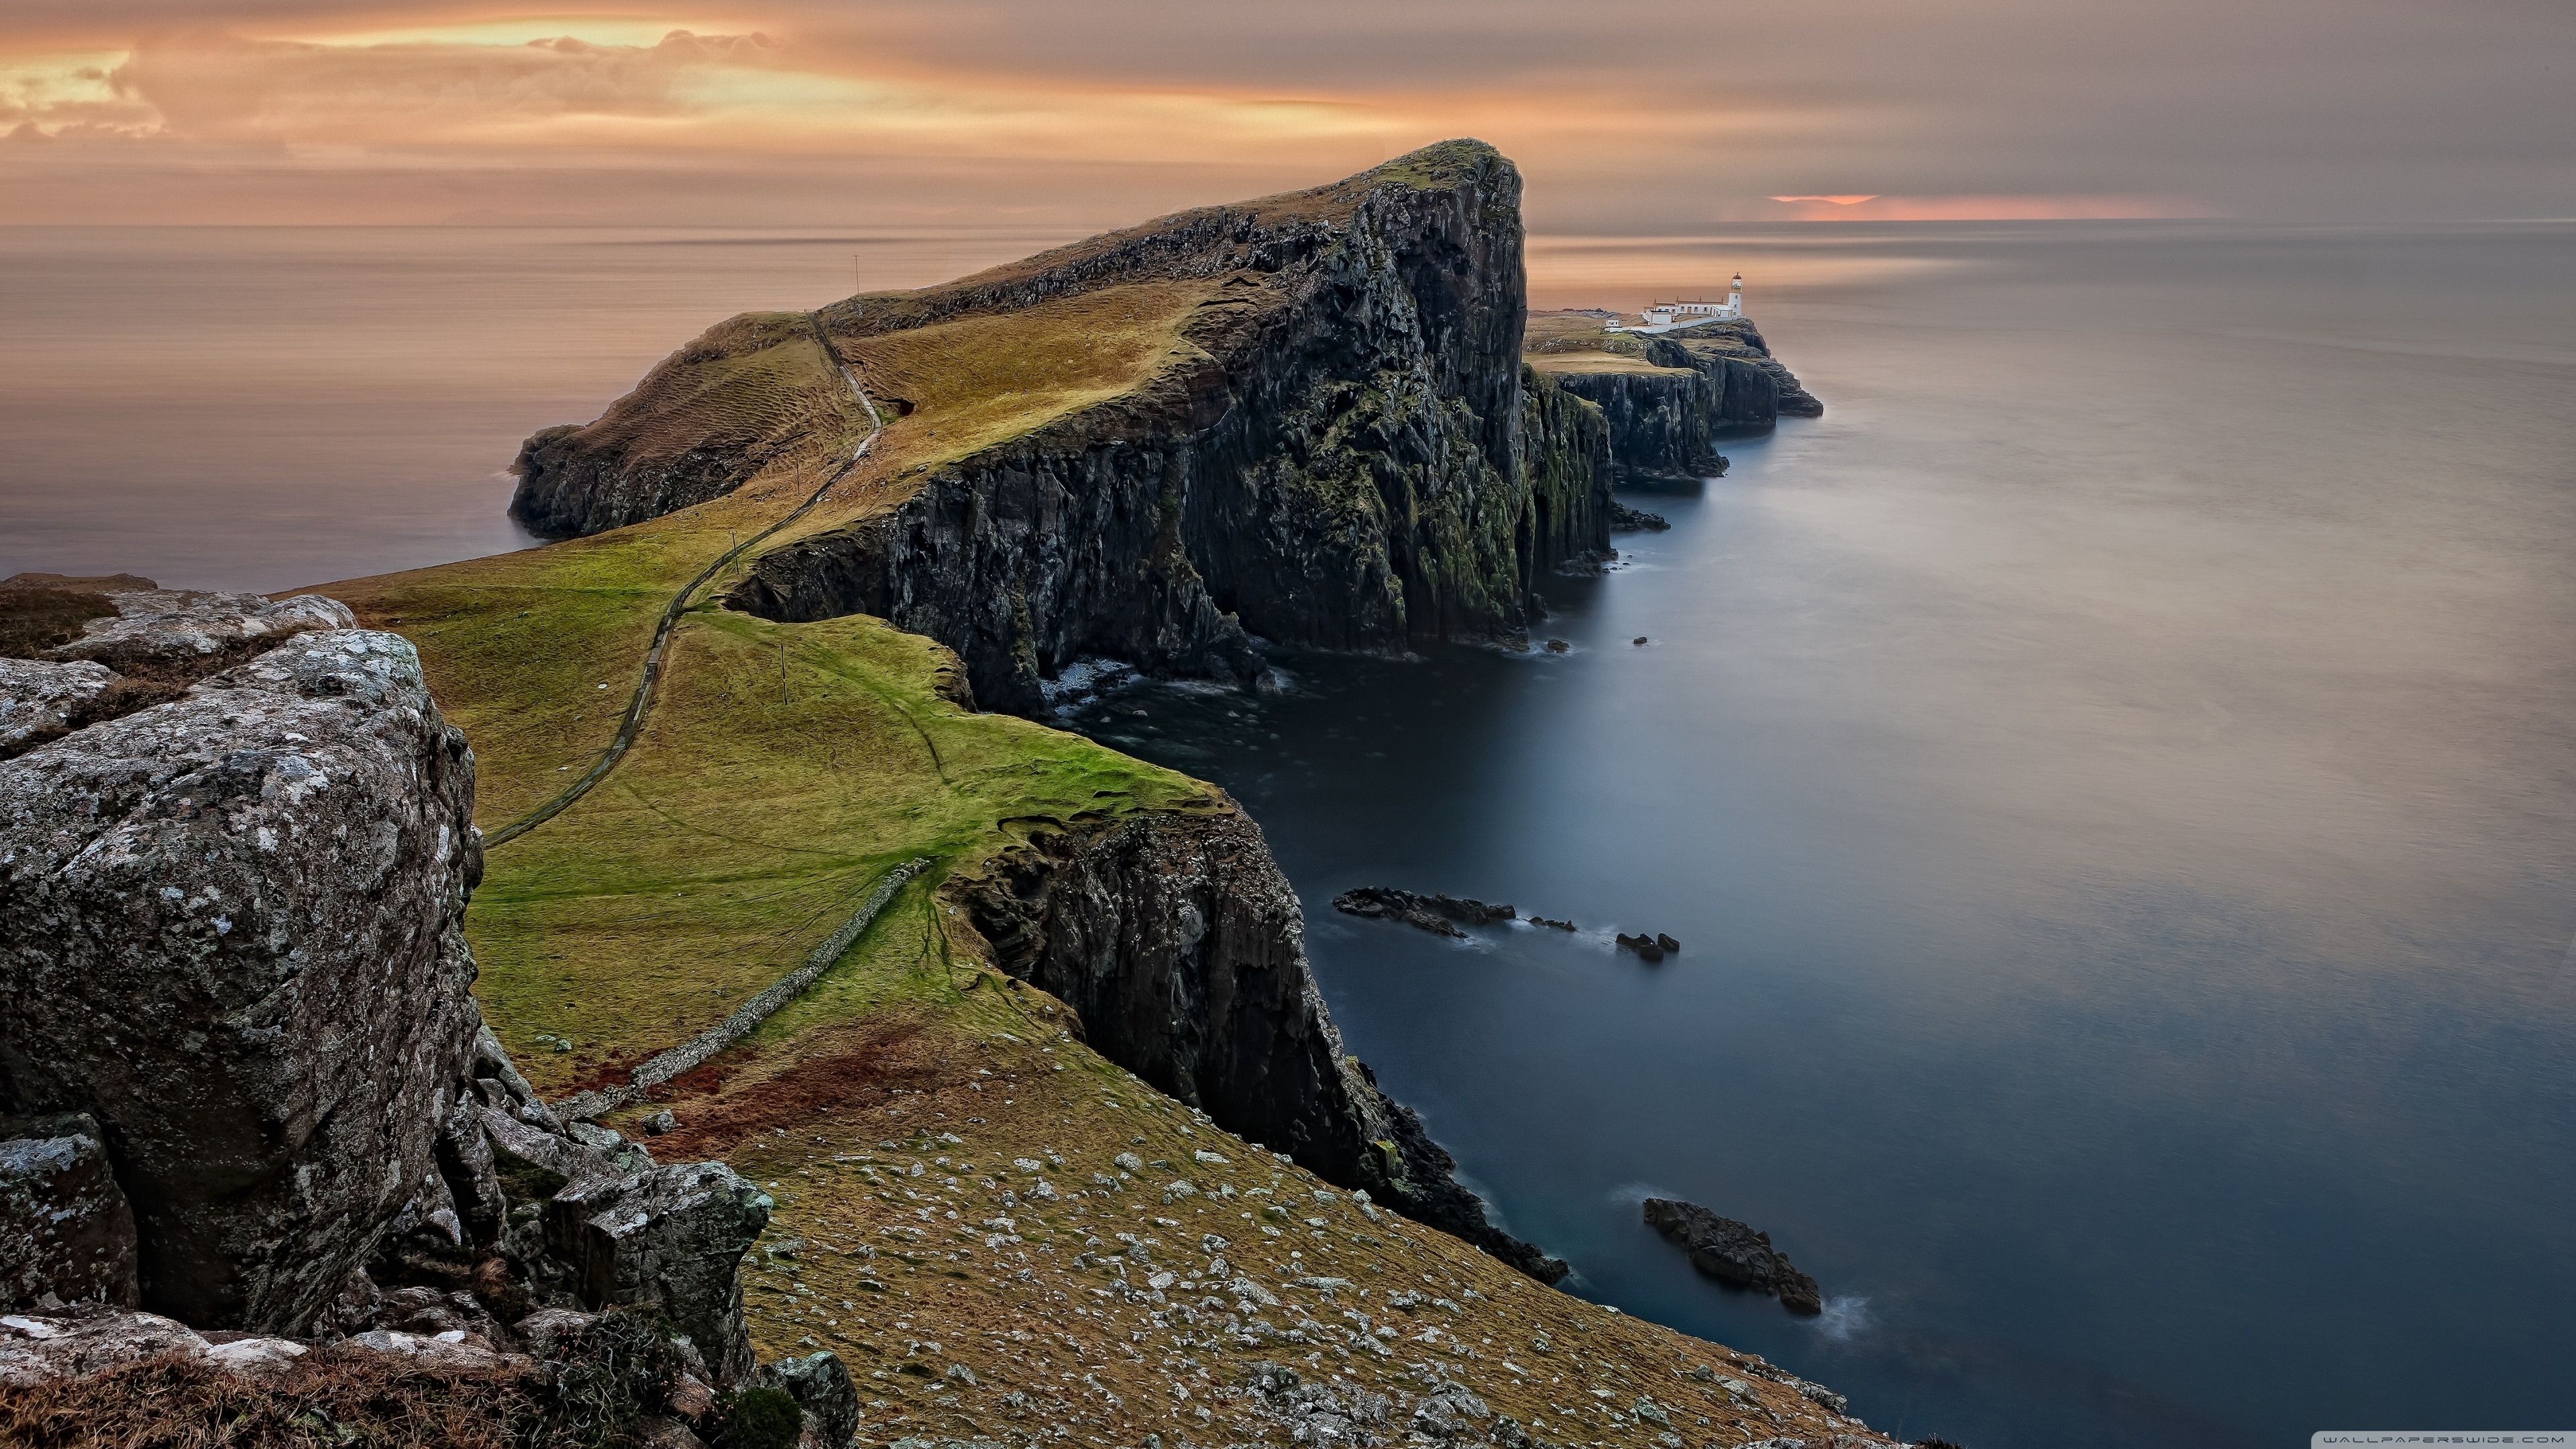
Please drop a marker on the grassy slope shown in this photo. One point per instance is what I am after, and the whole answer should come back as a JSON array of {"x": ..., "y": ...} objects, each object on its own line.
[{"x": 783, "y": 768}]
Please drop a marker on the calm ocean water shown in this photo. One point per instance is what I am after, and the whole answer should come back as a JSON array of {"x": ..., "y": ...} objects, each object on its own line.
[{"x": 2112, "y": 775}]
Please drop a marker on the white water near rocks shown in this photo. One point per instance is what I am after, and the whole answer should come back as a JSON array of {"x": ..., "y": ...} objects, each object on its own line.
[{"x": 2111, "y": 776}]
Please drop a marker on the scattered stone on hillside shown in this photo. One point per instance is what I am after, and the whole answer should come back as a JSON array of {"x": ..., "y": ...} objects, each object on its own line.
[
  {"x": 66, "y": 1233},
  {"x": 661, "y": 1122},
  {"x": 1733, "y": 1252},
  {"x": 41, "y": 699},
  {"x": 255, "y": 1355},
  {"x": 673, "y": 1236},
  {"x": 1433, "y": 913},
  {"x": 269, "y": 874},
  {"x": 160, "y": 626}
]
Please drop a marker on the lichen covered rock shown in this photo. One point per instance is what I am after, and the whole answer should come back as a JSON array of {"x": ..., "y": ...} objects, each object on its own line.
[
  {"x": 66, "y": 1233},
  {"x": 42, "y": 699},
  {"x": 161, "y": 625},
  {"x": 231, "y": 932},
  {"x": 670, "y": 1235}
]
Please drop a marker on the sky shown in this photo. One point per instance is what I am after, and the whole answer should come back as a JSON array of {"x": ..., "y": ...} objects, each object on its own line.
[{"x": 1628, "y": 117}]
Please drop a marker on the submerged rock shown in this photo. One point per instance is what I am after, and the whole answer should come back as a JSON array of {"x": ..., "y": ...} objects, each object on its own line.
[
  {"x": 1644, "y": 945},
  {"x": 1733, "y": 1252}
]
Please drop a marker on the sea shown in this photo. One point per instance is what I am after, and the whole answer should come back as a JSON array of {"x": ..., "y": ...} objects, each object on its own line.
[{"x": 2113, "y": 776}]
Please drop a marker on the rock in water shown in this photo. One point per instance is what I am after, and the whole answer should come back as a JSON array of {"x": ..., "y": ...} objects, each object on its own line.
[
  {"x": 1733, "y": 1252},
  {"x": 66, "y": 1234},
  {"x": 1431, "y": 913},
  {"x": 231, "y": 932},
  {"x": 1624, "y": 519}
]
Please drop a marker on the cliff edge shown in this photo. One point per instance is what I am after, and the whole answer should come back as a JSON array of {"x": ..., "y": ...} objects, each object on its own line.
[{"x": 1309, "y": 423}]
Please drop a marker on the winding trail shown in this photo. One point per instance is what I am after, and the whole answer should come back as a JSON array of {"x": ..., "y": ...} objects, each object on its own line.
[{"x": 642, "y": 703}]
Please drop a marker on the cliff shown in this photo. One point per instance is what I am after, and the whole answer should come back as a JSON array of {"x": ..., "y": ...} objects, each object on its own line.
[
  {"x": 1327, "y": 445},
  {"x": 1181, "y": 948},
  {"x": 1737, "y": 349},
  {"x": 1668, "y": 398}
]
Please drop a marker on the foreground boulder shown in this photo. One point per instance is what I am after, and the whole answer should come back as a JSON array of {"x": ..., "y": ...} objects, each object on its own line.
[
  {"x": 185, "y": 626},
  {"x": 248, "y": 1085},
  {"x": 231, "y": 932},
  {"x": 1733, "y": 1252}
]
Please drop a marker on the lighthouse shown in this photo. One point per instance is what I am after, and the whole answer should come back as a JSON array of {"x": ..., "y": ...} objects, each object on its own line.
[{"x": 1668, "y": 316}]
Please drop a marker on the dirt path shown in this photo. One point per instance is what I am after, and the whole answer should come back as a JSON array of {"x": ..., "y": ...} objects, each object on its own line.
[{"x": 642, "y": 703}]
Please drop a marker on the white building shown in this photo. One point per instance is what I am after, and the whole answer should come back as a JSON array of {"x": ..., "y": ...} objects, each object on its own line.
[{"x": 1671, "y": 316}]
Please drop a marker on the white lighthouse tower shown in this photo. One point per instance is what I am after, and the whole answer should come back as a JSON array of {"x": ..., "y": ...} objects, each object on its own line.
[{"x": 1669, "y": 316}]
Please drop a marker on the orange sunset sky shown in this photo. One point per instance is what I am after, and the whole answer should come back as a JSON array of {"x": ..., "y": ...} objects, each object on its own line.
[{"x": 1627, "y": 115}]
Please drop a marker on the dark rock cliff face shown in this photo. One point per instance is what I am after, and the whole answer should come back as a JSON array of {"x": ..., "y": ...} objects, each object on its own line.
[
  {"x": 1717, "y": 378},
  {"x": 1339, "y": 456},
  {"x": 1182, "y": 948},
  {"x": 1756, "y": 388},
  {"x": 1659, "y": 423}
]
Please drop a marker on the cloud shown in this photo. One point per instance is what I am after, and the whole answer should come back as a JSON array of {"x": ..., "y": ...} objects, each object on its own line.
[
  {"x": 1627, "y": 115},
  {"x": 2062, "y": 207}
]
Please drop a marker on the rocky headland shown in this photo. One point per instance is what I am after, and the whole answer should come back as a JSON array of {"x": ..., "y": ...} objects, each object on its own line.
[
  {"x": 272, "y": 1082},
  {"x": 1670, "y": 397}
]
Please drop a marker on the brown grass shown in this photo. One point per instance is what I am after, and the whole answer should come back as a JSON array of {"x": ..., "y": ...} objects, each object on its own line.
[
  {"x": 33, "y": 620},
  {"x": 339, "y": 1398}
]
